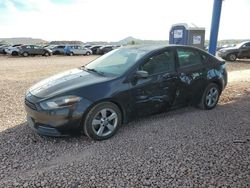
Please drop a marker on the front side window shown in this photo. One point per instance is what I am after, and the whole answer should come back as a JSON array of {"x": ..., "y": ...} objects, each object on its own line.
[
  {"x": 188, "y": 57},
  {"x": 164, "y": 62}
]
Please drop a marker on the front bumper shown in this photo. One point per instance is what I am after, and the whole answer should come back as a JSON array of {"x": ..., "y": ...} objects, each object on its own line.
[
  {"x": 8, "y": 52},
  {"x": 223, "y": 55},
  {"x": 56, "y": 122},
  {"x": 42, "y": 129}
]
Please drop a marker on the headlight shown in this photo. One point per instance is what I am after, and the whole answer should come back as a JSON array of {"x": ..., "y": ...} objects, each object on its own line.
[{"x": 59, "y": 102}]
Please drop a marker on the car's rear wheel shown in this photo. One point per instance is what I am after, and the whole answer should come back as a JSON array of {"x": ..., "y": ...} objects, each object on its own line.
[
  {"x": 88, "y": 53},
  {"x": 56, "y": 53},
  {"x": 232, "y": 57},
  {"x": 25, "y": 54},
  {"x": 102, "y": 121},
  {"x": 210, "y": 97},
  {"x": 71, "y": 53},
  {"x": 46, "y": 54}
]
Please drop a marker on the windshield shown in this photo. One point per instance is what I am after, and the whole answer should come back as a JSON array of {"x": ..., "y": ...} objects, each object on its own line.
[
  {"x": 117, "y": 61},
  {"x": 240, "y": 44}
]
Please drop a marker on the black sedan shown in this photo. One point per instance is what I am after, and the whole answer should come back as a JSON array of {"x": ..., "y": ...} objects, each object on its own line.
[
  {"x": 95, "y": 48},
  {"x": 104, "y": 49},
  {"x": 239, "y": 51},
  {"x": 123, "y": 85}
]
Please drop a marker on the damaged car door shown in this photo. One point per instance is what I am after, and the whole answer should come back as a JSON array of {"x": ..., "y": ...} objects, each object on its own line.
[{"x": 156, "y": 91}]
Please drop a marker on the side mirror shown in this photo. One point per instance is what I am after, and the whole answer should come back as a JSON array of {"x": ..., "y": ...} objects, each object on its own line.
[{"x": 141, "y": 74}]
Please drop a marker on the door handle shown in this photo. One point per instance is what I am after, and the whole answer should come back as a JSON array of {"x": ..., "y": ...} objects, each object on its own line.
[
  {"x": 142, "y": 97},
  {"x": 168, "y": 76}
]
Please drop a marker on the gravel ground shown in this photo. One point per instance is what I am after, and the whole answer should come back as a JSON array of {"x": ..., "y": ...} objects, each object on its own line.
[{"x": 182, "y": 148}]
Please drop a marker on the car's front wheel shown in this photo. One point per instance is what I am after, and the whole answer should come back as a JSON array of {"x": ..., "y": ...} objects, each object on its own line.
[
  {"x": 88, "y": 53},
  {"x": 102, "y": 121},
  {"x": 210, "y": 97},
  {"x": 232, "y": 57}
]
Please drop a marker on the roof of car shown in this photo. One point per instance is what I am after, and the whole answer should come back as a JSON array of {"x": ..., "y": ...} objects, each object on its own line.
[
  {"x": 145, "y": 47},
  {"x": 149, "y": 48}
]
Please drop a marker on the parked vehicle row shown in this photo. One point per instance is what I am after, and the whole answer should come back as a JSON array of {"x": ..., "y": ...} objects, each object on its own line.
[
  {"x": 12, "y": 50},
  {"x": 82, "y": 50},
  {"x": 26, "y": 50}
]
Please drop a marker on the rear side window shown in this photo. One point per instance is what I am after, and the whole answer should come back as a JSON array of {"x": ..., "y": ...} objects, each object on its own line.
[
  {"x": 189, "y": 57},
  {"x": 204, "y": 58},
  {"x": 164, "y": 62}
]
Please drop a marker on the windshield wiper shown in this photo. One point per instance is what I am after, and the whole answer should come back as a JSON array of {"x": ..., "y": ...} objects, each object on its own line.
[
  {"x": 82, "y": 67},
  {"x": 96, "y": 71}
]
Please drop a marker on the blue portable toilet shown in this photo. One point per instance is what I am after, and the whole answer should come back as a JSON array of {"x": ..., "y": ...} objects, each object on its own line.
[{"x": 187, "y": 35}]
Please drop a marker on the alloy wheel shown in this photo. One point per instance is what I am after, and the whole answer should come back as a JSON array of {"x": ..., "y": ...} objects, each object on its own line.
[
  {"x": 105, "y": 122},
  {"x": 212, "y": 97},
  {"x": 232, "y": 57}
]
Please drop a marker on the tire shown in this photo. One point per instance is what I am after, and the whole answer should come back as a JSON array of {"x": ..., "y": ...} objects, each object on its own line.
[
  {"x": 88, "y": 53},
  {"x": 232, "y": 57},
  {"x": 210, "y": 97},
  {"x": 71, "y": 53},
  {"x": 46, "y": 54},
  {"x": 14, "y": 53},
  {"x": 56, "y": 53},
  {"x": 102, "y": 121},
  {"x": 25, "y": 54}
]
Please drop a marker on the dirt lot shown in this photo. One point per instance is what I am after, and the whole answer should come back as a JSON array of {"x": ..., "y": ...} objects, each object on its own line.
[{"x": 182, "y": 148}]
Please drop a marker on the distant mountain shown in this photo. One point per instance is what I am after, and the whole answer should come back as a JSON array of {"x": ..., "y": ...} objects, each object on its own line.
[
  {"x": 231, "y": 41},
  {"x": 132, "y": 40},
  {"x": 228, "y": 41},
  {"x": 128, "y": 40},
  {"x": 22, "y": 40},
  {"x": 57, "y": 42}
]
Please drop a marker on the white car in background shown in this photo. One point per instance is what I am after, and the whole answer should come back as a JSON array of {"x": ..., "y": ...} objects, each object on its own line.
[
  {"x": 13, "y": 50},
  {"x": 77, "y": 50}
]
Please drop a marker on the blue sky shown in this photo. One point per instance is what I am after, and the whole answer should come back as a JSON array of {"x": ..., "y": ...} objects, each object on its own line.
[{"x": 112, "y": 20}]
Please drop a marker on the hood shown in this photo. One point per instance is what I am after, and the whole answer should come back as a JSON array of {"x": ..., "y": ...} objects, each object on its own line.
[
  {"x": 229, "y": 49},
  {"x": 64, "y": 82}
]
